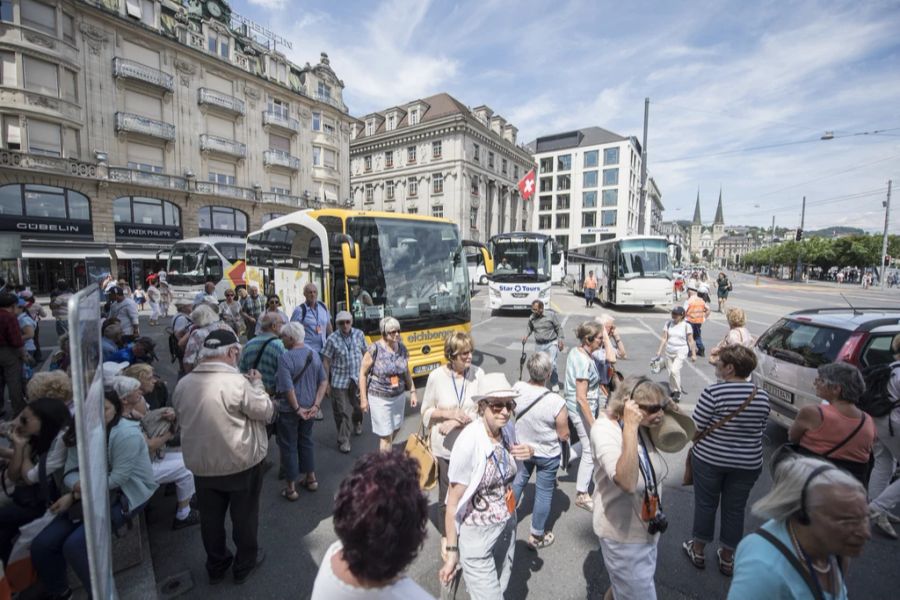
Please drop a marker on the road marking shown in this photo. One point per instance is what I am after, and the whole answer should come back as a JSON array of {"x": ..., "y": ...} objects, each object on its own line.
[{"x": 693, "y": 366}]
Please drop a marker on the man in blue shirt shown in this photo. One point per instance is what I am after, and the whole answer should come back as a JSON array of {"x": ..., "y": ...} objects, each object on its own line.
[
  {"x": 313, "y": 315},
  {"x": 341, "y": 359}
]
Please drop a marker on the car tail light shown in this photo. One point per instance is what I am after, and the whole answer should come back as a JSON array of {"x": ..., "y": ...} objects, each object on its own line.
[{"x": 850, "y": 352}]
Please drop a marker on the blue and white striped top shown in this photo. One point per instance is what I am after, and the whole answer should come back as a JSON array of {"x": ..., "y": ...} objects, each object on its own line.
[{"x": 738, "y": 443}]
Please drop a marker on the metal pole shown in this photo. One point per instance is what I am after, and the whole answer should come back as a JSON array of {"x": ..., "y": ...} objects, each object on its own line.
[
  {"x": 641, "y": 210},
  {"x": 884, "y": 240},
  {"x": 797, "y": 271}
]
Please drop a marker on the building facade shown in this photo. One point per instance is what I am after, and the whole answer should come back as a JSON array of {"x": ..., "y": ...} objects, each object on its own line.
[
  {"x": 730, "y": 249},
  {"x": 588, "y": 186},
  {"x": 655, "y": 208},
  {"x": 435, "y": 156},
  {"x": 674, "y": 234},
  {"x": 703, "y": 239},
  {"x": 129, "y": 124}
]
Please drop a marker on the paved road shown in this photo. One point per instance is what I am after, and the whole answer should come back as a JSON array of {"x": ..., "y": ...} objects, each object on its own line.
[{"x": 296, "y": 535}]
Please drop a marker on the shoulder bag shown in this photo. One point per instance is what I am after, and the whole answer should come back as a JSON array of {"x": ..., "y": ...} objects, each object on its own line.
[
  {"x": 418, "y": 447},
  {"x": 688, "y": 478}
]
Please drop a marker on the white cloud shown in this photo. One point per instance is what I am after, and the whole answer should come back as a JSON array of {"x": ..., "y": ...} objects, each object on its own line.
[{"x": 269, "y": 4}]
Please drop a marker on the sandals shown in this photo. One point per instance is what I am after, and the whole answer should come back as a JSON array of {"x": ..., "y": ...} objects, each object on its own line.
[
  {"x": 310, "y": 485},
  {"x": 698, "y": 560},
  {"x": 726, "y": 567},
  {"x": 536, "y": 543},
  {"x": 290, "y": 495},
  {"x": 584, "y": 501}
]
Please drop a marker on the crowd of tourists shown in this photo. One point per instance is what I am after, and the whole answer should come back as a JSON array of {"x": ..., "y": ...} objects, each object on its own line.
[{"x": 249, "y": 372}]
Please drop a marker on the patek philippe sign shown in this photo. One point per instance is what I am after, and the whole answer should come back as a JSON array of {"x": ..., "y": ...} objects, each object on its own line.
[
  {"x": 31, "y": 227},
  {"x": 133, "y": 231}
]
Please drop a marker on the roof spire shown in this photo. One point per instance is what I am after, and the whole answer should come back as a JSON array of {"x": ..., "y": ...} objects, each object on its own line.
[
  {"x": 720, "y": 219},
  {"x": 697, "y": 220}
]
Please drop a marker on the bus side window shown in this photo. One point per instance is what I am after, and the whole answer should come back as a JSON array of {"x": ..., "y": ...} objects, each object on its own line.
[
  {"x": 622, "y": 268},
  {"x": 213, "y": 267}
]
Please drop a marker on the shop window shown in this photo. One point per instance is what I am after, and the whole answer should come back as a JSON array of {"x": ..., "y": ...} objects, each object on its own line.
[
  {"x": 221, "y": 219},
  {"x": 146, "y": 211},
  {"x": 44, "y": 201}
]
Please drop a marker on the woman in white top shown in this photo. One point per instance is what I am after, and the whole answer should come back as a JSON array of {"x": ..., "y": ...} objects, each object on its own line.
[
  {"x": 677, "y": 340},
  {"x": 447, "y": 407},
  {"x": 628, "y": 513},
  {"x": 737, "y": 333},
  {"x": 380, "y": 518},
  {"x": 481, "y": 509}
]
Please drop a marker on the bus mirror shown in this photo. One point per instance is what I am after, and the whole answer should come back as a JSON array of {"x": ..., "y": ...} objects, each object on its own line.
[
  {"x": 350, "y": 254},
  {"x": 554, "y": 258},
  {"x": 488, "y": 261}
]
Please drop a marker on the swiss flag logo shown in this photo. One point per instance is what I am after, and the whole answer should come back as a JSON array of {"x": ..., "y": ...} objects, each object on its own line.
[{"x": 526, "y": 185}]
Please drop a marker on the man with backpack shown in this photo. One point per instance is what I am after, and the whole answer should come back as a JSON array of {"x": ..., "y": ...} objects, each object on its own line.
[
  {"x": 263, "y": 351},
  {"x": 882, "y": 401},
  {"x": 314, "y": 316}
]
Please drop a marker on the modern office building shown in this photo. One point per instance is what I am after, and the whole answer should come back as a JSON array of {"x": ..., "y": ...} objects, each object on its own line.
[
  {"x": 128, "y": 124},
  {"x": 588, "y": 183},
  {"x": 436, "y": 156}
]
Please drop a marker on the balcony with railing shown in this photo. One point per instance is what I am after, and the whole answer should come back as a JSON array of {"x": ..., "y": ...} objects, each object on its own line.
[
  {"x": 276, "y": 158},
  {"x": 328, "y": 137},
  {"x": 220, "y": 145},
  {"x": 130, "y": 70},
  {"x": 276, "y": 119},
  {"x": 331, "y": 101},
  {"x": 285, "y": 199},
  {"x": 136, "y": 177},
  {"x": 220, "y": 189},
  {"x": 131, "y": 123},
  {"x": 221, "y": 101}
]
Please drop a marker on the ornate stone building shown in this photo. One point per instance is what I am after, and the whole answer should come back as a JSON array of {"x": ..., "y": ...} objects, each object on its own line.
[
  {"x": 435, "y": 156},
  {"x": 730, "y": 249},
  {"x": 703, "y": 239},
  {"x": 128, "y": 124}
]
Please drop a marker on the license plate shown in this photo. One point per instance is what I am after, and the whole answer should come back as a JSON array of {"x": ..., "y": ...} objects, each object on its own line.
[
  {"x": 418, "y": 370},
  {"x": 781, "y": 394},
  {"x": 519, "y": 294}
]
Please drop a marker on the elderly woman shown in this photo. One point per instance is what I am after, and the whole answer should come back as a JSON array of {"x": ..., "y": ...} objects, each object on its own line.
[
  {"x": 541, "y": 422},
  {"x": 447, "y": 407},
  {"x": 628, "y": 515},
  {"x": 230, "y": 310},
  {"x": 380, "y": 517},
  {"x": 50, "y": 384},
  {"x": 837, "y": 431},
  {"x": 677, "y": 342},
  {"x": 153, "y": 388},
  {"x": 583, "y": 400},
  {"x": 168, "y": 466},
  {"x": 818, "y": 520},
  {"x": 205, "y": 320},
  {"x": 727, "y": 461},
  {"x": 300, "y": 385},
  {"x": 609, "y": 324},
  {"x": 481, "y": 509},
  {"x": 384, "y": 379},
  {"x": 737, "y": 333}
]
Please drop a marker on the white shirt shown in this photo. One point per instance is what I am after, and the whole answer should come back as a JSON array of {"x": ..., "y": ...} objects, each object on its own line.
[
  {"x": 329, "y": 587},
  {"x": 676, "y": 342},
  {"x": 441, "y": 393},
  {"x": 538, "y": 428}
]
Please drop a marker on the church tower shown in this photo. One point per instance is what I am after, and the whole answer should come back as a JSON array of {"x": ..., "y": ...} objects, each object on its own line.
[
  {"x": 696, "y": 227},
  {"x": 719, "y": 223}
]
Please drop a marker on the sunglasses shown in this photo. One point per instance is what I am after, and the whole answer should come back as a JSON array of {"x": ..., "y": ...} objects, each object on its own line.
[
  {"x": 651, "y": 409},
  {"x": 344, "y": 323},
  {"x": 392, "y": 332},
  {"x": 509, "y": 405}
]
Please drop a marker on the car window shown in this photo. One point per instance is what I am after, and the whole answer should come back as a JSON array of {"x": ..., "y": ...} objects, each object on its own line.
[
  {"x": 805, "y": 344},
  {"x": 877, "y": 351}
]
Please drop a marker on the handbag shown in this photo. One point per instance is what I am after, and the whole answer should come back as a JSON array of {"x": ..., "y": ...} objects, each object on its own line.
[
  {"x": 688, "y": 478},
  {"x": 418, "y": 447}
]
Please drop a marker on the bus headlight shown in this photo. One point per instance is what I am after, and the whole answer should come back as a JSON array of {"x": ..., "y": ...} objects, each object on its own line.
[
  {"x": 544, "y": 293},
  {"x": 495, "y": 292}
]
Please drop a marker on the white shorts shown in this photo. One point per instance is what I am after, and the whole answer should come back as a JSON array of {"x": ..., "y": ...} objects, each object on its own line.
[{"x": 631, "y": 569}]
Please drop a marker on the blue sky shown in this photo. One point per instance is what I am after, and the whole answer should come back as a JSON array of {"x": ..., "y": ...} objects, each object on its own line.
[{"x": 724, "y": 79}]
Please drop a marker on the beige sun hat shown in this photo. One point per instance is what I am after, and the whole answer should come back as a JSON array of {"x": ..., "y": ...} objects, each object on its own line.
[
  {"x": 494, "y": 385},
  {"x": 674, "y": 432}
]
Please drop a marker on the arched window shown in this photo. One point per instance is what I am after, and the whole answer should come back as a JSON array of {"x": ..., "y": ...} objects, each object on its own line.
[
  {"x": 222, "y": 220},
  {"x": 270, "y": 216},
  {"x": 146, "y": 211},
  {"x": 43, "y": 202}
]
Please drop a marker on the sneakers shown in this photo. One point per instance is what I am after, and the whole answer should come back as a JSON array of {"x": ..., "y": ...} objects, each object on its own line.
[
  {"x": 584, "y": 501},
  {"x": 192, "y": 519},
  {"x": 883, "y": 522},
  {"x": 345, "y": 447}
]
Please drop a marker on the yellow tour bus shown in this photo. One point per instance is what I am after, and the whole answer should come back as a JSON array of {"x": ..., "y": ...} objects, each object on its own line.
[{"x": 373, "y": 264}]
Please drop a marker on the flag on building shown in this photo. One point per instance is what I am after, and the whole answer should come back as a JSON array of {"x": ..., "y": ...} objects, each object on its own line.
[{"x": 526, "y": 185}]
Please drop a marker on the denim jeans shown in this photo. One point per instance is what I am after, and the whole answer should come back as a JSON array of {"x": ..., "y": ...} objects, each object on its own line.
[
  {"x": 698, "y": 341},
  {"x": 552, "y": 350},
  {"x": 295, "y": 443},
  {"x": 544, "y": 484},
  {"x": 733, "y": 487}
]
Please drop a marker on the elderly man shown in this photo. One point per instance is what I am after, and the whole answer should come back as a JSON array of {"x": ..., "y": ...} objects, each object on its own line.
[
  {"x": 209, "y": 289},
  {"x": 125, "y": 310},
  {"x": 314, "y": 316},
  {"x": 223, "y": 416},
  {"x": 342, "y": 358},
  {"x": 252, "y": 307},
  {"x": 546, "y": 329},
  {"x": 818, "y": 520},
  {"x": 263, "y": 351}
]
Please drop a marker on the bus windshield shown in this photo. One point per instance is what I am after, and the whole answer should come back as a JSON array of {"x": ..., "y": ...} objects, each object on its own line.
[
  {"x": 644, "y": 258},
  {"x": 414, "y": 271},
  {"x": 521, "y": 258},
  {"x": 187, "y": 264}
]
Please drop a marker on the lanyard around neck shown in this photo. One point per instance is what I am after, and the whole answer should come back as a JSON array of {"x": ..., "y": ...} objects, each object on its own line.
[{"x": 460, "y": 392}]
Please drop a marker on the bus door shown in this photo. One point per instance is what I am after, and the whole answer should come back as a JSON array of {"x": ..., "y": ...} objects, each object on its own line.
[{"x": 336, "y": 296}]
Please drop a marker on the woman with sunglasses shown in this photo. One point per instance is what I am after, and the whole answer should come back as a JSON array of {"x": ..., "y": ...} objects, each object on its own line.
[
  {"x": 230, "y": 310},
  {"x": 480, "y": 524},
  {"x": 384, "y": 380},
  {"x": 627, "y": 506},
  {"x": 273, "y": 305}
]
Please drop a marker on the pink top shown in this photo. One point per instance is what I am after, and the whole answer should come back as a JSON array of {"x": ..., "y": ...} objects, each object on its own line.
[{"x": 834, "y": 428}]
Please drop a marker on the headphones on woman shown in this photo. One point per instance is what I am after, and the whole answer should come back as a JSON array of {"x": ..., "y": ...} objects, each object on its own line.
[{"x": 803, "y": 515}]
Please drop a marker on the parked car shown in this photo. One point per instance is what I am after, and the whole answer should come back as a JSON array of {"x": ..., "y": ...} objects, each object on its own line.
[{"x": 791, "y": 350}]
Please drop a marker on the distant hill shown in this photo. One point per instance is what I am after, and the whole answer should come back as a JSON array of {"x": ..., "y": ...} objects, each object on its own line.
[{"x": 835, "y": 232}]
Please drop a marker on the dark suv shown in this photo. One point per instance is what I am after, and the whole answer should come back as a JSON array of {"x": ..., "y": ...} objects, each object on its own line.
[{"x": 791, "y": 350}]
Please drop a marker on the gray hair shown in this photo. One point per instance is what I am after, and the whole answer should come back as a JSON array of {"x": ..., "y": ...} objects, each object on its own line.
[
  {"x": 605, "y": 319},
  {"x": 388, "y": 323},
  {"x": 784, "y": 499},
  {"x": 268, "y": 320},
  {"x": 207, "y": 353},
  {"x": 310, "y": 286},
  {"x": 124, "y": 385},
  {"x": 845, "y": 375},
  {"x": 204, "y": 315},
  {"x": 112, "y": 331},
  {"x": 293, "y": 331},
  {"x": 539, "y": 367}
]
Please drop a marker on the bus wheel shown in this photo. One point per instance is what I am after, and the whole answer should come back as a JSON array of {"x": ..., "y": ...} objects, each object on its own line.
[{"x": 483, "y": 280}]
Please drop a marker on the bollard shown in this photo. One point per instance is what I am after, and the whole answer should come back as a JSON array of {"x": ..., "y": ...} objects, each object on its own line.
[{"x": 757, "y": 279}]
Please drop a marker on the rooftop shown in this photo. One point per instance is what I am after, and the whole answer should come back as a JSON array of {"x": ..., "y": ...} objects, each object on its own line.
[{"x": 588, "y": 136}]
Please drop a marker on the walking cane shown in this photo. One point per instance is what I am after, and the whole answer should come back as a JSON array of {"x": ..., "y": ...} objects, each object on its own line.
[{"x": 522, "y": 361}]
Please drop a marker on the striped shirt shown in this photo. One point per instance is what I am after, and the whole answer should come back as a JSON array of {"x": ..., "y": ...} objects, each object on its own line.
[
  {"x": 345, "y": 353},
  {"x": 268, "y": 362},
  {"x": 738, "y": 443}
]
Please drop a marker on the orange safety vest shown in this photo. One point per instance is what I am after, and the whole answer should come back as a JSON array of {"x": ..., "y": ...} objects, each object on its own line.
[{"x": 696, "y": 310}]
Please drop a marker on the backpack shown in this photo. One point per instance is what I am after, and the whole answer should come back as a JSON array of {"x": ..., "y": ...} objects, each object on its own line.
[
  {"x": 175, "y": 350},
  {"x": 875, "y": 400},
  {"x": 303, "y": 310}
]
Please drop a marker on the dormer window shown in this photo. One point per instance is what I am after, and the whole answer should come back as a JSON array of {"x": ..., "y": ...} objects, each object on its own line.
[
  {"x": 370, "y": 127},
  {"x": 219, "y": 44},
  {"x": 414, "y": 116},
  {"x": 324, "y": 91},
  {"x": 278, "y": 70},
  {"x": 391, "y": 121}
]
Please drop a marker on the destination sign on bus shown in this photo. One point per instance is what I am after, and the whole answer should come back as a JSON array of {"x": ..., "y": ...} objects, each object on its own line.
[{"x": 520, "y": 288}]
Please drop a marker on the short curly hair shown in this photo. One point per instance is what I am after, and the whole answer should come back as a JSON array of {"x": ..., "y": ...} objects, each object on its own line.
[
  {"x": 50, "y": 384},
  {"x": 736, "y": 317},
  {"x": 380, "y": 515}
]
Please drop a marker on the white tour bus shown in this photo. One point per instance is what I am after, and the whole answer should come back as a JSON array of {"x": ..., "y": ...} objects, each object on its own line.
[
  {"x": 194, "y": 261},
  {"x": 522, "y": 269}
]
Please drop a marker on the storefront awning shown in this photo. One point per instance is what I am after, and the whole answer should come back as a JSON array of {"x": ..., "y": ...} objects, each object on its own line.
[
  {"x": 139, "y": 254},
  {"x": 64, "y": 252}
]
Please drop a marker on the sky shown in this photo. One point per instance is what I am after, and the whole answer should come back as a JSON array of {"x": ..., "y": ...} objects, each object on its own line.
[{"x": 741, "y": 93}]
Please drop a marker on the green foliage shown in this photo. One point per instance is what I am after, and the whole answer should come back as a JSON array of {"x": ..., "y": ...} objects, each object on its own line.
[{"x": 850, "y": 251}]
